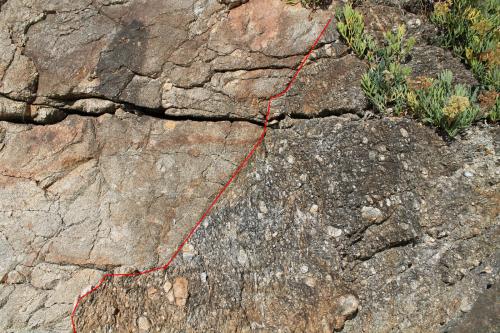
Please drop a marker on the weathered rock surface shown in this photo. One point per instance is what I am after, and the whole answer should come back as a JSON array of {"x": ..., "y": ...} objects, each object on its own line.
[
  {"x": 339, "y": 223},
  {"x": 177, "y": 57},
  {"x": 91, "y": 194},
  {"x": 187, "y": 58},
  {"x": 417, "y": 236}
]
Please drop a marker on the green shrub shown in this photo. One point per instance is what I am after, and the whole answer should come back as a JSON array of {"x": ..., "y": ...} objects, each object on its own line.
[
  {"x": 385, "y": 84},
  {"x": 444, "y": 105},
  {"x": 352, "y": 28},
  {"x": 391, "y": 91},
  {"x": 471, "y": 29}
]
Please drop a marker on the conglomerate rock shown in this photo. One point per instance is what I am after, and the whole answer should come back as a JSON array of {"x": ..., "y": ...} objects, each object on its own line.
[
  {"x": 335, "y": 219},
  {"x": 121, "y": 119}
]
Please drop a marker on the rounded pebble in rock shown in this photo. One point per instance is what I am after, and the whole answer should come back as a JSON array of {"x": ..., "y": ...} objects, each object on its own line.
[
  {"x": 304, "y": 269},
  {"x": 262, "y": 207},
  {"x": 348, "y": 305},
  {"x": 153, "y": 293},
  {"x": 242, "y": 257},
  {"x": 188, "y": 251},
  {"x": 333, "y": 232},
  {"x": 371, "y": 214},
  {"x": 144, "y": 324},
  {"x": 167, "y": 286},
  {"x": 310, "y": 281},
  {"x": 180, "y": 289},
  {"x": 314, "y": 209},
  {"x": 465, "y": 305},
  {"x": 468, "y": 174}
]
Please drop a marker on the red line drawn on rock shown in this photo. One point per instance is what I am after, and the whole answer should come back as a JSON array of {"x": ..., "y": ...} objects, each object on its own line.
[{"x": 236, "y": 172}]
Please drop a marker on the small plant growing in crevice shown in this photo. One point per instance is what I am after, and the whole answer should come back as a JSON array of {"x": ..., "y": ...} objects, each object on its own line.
[
  {"x": 444, "y": 105},
  {"x": 385, "y": 84},
  {"x": 390, "y": 90},
  {"x": 352, "y": 28},
  {"x": 471, "y": 29}
]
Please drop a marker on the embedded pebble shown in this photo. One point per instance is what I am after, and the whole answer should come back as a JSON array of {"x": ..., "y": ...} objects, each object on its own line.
[
  {"x": 310, "y": 281},
  {"x": 180, "y": 289},
  {"x": 468, "y": 174},
  {"x": 144, "y": 324},
  {"x": 242, "y": 257},
  {"x": 262, "y": 207},
  {"x": 333, "y": 232},
  {"x": 167, "y": 286},
  {"x": 153, "y": 293},
  {"x": 348, "y": 305},
  {"x": 188, "y": 251},
  {"x": 371, "y": 214},
  {"x": 465, "y": 305}
]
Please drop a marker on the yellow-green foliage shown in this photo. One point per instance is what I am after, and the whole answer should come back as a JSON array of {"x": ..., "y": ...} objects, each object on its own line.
[
  {"x": 389, "y": 88},
  {"x": 352, "y": 28},
  {"x": 385, "y": 84},
  {"x": 442, "y": 104},
  {"x": 471, "y": 29}
]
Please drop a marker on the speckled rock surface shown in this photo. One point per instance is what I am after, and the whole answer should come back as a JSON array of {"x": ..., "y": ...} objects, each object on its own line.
[
  {"x": 121, "y": 119},
  {"x": 416, "y": 242}
]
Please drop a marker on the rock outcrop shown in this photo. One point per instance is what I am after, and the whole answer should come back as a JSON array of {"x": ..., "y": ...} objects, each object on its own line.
[
  {"x": 335, "y": 218},
  {"x": 121, "y": 119}
]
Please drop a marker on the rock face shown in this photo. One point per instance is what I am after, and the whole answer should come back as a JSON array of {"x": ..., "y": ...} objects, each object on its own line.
[
  {"x": 177, "y": 57},
  {"x": 93, "y": 194},
  {"x": 121, "y": 119},
  {"x": 417, "y": 237}
]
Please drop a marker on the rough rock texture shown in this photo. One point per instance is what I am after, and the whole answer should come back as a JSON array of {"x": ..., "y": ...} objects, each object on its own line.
[
  {"x": 121, "y": 119},
  {"x": 205, "y": 58},
  {"x": 177, "y": 57},
  {"x": 335, "y": 219},
  {"x": 93, "y": 194}
]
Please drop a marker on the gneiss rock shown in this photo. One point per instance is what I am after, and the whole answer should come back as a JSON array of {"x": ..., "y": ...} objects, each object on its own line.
[{"x": 64, "y": 204}]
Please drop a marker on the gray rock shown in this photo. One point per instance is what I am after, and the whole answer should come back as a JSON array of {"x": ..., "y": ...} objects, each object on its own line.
[
  {"x": 344, "y": 282},
  {"x": 337, "y": 222},
  {"x": 13, "y": 110}
]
